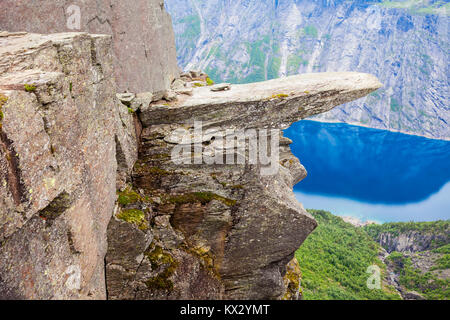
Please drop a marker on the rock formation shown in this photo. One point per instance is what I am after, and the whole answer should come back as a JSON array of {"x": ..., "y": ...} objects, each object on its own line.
[
  {"x": 412, "y": 241},
  {"x": 220, "y": 230},
  {"x": 143, "y": 38},
  {"x": 59, "y": 128},
  {"x": 173, "y": 230}
]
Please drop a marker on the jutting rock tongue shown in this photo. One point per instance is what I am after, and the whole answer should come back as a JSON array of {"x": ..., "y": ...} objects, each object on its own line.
[
  {"x": 143, "y": 38},
  {"x": 199, "y": 231}
]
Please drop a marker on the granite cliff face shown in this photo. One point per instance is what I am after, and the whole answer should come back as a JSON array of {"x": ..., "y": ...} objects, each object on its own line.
[
  {"x": 59, "y": 127},
  {"x": 144, "y": 54},
  {"x": 405, "y": 44},
  {"x": 93, "y": 205}
]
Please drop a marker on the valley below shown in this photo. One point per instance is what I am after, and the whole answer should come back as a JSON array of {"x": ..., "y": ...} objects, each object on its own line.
[{"x": 338, "y": 259}]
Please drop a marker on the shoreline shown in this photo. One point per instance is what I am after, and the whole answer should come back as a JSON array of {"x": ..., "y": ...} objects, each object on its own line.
[{"x": 390, "y": 130}]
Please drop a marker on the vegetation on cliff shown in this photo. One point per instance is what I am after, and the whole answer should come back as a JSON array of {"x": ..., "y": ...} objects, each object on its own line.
[
  {"x": 429, "y": 283},
  {"x": 334, "y": 260},
  {"x": 335, "y": 257},
  {"x": 396, "y": 228}
]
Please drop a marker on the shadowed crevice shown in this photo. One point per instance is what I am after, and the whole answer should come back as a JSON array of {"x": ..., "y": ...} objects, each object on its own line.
[{"x": 13, "y": 172}]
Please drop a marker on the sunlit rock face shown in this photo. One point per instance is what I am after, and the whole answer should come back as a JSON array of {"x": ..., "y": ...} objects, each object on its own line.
[
  {"x": 59, "y": 127},
  {"x": 403, "y": 44},
  {"x": 144, "y": 54}
]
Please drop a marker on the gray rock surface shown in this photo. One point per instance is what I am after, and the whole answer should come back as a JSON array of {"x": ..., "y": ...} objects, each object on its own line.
[
  {"x": 60, "y": 124},
  {"x": 143, "y": 38},
  {"x": 412, "y": 241},
  {"x": 189, "y": 231}
]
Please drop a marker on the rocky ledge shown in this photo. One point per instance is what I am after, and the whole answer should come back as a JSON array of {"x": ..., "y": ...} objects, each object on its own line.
[
  {"x": 178, "y": 227},
  {"x": 223, "y": 230}
]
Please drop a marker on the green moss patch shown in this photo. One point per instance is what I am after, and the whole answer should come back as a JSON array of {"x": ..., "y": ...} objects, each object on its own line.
[
  {"x": 128, "y": 196},
  {"x": 158, "y": 258},
  {"x": 134, "y": 216},
  {"x": 30, "y": 88}
]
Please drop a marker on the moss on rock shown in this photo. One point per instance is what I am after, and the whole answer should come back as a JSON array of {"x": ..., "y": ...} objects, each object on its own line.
[
  {"x": 128, "y": 196},
  {"x": 292, "y": 280},
  {"x": 279, "y": 96},
  {"x": 3, "y": 100},
  {"x": 158, "y": 258},
  {"x": 134, "y": 216},
  {"x": 30, "y": 88}
]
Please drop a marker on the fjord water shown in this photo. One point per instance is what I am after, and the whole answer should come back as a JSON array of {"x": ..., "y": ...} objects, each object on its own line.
[{"x": 372, "y": 174}]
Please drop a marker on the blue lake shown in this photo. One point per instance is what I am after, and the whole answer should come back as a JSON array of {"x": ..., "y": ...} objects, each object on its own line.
[{"x": 372, "y": 174}]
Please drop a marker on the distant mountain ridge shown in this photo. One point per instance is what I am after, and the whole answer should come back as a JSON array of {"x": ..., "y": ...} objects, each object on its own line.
[{"x": 404, "y": 43}]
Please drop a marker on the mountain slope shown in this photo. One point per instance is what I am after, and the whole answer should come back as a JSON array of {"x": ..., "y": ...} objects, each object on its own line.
[
  {"x": 337, "y": 258},
  {"x": 419, "y": 256},
  {"x": 405, "y": 44},
  {"x": 334, "y": 262}
]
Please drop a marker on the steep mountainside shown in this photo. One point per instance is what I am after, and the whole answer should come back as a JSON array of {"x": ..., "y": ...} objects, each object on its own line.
[
  {"x": 334, "y": 261},
  {"x": 405, "y": 44},
  {"x": 417, "y": 257}
]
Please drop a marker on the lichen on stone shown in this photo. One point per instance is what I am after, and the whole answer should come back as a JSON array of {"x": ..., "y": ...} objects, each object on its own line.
[
  {"x": 158, "y": 258},
  {"x": 292, "y": 281},
  {"x": 134, "y": 216},
  {"x": 204, "y": 255},
  {"x": 30, "y": 88},
  {"x": 279, "y": 96}
]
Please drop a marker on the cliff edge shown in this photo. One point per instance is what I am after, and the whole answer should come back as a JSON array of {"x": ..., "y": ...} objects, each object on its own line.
[{"x": 124, "y": 196}]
